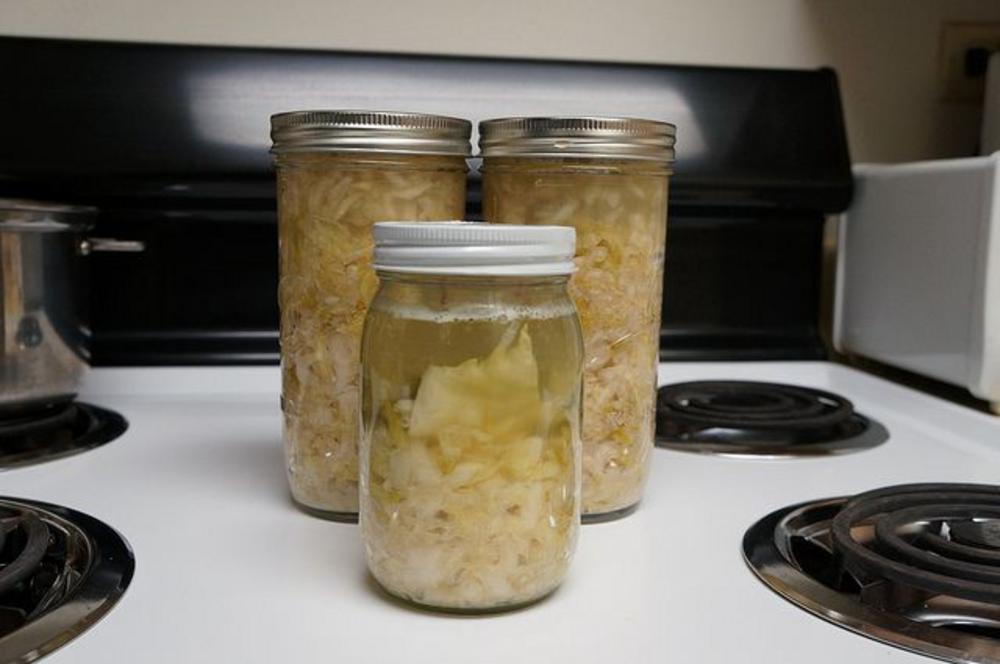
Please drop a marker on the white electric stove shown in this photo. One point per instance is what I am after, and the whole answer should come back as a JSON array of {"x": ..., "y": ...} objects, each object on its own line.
[{"x": 228, "y": 570}]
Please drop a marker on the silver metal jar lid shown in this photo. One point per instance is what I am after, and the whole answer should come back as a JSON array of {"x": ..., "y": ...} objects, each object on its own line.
[
  {"x": 370, "y": 131},
  {"x": 585, "y": 137}
]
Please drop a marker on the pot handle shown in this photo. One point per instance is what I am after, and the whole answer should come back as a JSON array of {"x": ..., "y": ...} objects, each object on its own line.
[{"x": 92, "y": 244}]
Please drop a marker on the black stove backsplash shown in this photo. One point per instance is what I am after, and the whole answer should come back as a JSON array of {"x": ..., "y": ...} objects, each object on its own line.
[
  {"x": 170, "y": 142},
  {"x": 737, "y": 286}
]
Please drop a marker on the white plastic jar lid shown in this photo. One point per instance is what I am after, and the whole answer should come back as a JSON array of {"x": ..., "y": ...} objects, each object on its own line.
[{"x": 473, "y": 248}]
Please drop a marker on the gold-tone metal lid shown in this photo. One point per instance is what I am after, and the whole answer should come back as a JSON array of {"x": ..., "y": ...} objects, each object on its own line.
[
  {"x": 369, "y": 131},
  {"x": 584, "y": 137}
]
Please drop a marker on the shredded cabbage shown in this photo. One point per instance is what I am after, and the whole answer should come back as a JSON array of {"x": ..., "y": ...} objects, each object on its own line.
[
  {"x": 619, "y": 212},
  {"x": 327, "y": 204},
  {"x": 471, "y": 499}
]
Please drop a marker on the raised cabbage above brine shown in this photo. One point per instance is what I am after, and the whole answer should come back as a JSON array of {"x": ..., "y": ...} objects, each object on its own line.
[
  {"x": 327, "y": 204},
  {"x": 471, "y": 500},
  {"x": 619, "y": 213}
]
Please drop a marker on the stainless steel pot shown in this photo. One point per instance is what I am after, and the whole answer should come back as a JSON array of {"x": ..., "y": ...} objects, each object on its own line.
[{"x": 43, "y": 332}]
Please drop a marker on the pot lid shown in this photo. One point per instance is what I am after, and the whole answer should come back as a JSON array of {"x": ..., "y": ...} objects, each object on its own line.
[{"x": 21, "y": 214}]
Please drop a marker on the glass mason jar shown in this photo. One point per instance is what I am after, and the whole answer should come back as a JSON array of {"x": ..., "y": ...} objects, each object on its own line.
[
  {"x": 338, "y": 173},
  {"x": 607, "y": 178},
  {"x": 470, "y": 457}
]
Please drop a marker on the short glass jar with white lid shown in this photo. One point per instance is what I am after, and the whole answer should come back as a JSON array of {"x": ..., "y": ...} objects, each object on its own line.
[{"x": 471, "y": 382}]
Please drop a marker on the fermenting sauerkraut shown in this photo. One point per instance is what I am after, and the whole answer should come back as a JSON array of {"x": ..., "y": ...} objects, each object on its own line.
[
  {"x": 327, "y": 204},
  {"x": 619, "y": 210},
  {"x": 471, "y": 452}
]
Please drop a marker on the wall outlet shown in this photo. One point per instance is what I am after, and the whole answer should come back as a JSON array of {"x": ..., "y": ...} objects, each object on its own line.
[{"x": 957, "y": 40}]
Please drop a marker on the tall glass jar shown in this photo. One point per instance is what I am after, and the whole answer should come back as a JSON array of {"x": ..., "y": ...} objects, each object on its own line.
[
  {"x": 472, "y": 363},
  {"x": 607, "y": 178},
  {"x": 338, "y": 173}
]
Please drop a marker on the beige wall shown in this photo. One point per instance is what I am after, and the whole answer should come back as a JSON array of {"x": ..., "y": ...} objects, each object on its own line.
[{"x": 886, "y": 51}]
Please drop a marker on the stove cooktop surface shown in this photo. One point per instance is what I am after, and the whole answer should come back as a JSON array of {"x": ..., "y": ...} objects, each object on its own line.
[{"x": 231, "y": 571}]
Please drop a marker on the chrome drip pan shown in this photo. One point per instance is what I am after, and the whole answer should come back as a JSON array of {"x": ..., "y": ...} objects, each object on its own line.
[
  {"x": 920, "y": 592},
  {"x": 60, "y": 572}
]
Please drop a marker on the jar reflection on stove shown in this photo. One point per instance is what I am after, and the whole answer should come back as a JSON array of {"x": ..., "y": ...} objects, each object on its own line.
[
  {"x": 338, "y": 173},
  {"x": 607, "y": 178}
]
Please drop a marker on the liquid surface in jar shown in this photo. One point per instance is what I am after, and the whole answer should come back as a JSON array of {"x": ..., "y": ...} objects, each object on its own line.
[
  {"x": 472, "y": 453},
  {"x": 619, "y": 211},
  {"x": 327, "y": 204}
]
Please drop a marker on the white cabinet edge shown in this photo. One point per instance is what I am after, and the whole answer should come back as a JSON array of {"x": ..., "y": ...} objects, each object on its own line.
[{"x": 985, "y": 381}]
